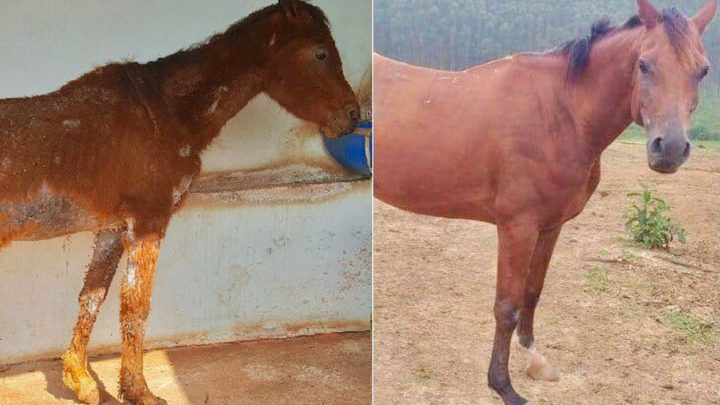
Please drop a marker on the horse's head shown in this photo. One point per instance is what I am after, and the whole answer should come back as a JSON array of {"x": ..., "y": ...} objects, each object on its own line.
[
  {"x": 304, "y": 71},
  {"x": 668, "y": 72}
]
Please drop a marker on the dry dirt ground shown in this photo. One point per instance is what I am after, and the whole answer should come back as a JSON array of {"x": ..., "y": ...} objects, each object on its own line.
[
  {"x": 323, "y": 369},
  {"x": 620, "y": 323}
]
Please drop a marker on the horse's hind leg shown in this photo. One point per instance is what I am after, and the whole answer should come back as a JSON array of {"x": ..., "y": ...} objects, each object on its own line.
[
  {"x": 107, "y": 253},
  {"x": 135, "y": 295},
  {"x": 515, "y": 249},
  {"x": 538, "y": 367}
]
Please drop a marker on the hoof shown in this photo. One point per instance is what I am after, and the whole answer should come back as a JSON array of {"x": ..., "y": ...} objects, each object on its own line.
[
  {"x": 507, "y": 393},
  {"x": 514, "y": 400},
  {"x": 147, "y": 398},
  {"x": 78, "y": 380},
  {"x": 538, "y": 368}
]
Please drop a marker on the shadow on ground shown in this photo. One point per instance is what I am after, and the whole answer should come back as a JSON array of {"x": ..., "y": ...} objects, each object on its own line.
[{"x": 328, "y": 369}]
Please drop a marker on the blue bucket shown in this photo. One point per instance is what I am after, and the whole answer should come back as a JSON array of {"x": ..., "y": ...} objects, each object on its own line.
[{"x": 353, "y": 151}]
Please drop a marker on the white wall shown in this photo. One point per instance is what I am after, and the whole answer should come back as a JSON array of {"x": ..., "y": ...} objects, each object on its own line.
[{"x": 237, "y": 263}]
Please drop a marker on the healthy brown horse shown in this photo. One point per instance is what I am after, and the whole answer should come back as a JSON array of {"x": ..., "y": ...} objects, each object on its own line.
[
  {"x": 116, "y": 151},
  {"x": 517, "y": 143}
]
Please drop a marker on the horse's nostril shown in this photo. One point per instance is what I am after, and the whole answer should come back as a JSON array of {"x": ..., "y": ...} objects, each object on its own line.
[
  {"x": 656, "y": 145},
  {"x": 686, "y": 152},
  {"x": 354, "y": 114},
  {"x": 351, "y": 111}
]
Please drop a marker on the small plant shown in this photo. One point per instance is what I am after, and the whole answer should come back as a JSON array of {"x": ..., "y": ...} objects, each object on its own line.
[
  {"x": 691, "y": 326},
  {"x": 648, "y": 222},
  {"x": 423, "y": 374},
  {"x": 630, "y": 256},
  {"x": 597, "y": 278}
]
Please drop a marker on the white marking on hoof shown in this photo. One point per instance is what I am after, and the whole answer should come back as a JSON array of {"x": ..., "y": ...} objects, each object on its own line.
[{"x": 538, "y": 368}]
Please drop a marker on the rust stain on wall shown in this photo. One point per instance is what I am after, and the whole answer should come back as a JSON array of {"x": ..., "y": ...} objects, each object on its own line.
[
  {"x": 306, "y": 172},
  {"x": 311, "y": 326},
  {"x": 274, "y": 196},
  {"x": 258, "y": 331}
]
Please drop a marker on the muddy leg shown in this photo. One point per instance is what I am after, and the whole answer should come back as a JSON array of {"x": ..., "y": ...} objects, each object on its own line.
[
  {"x": 135, "y": 296},
  {"x": 515, "y": 248},
  {"x": 108, "y": 249},
  {"x": 538, "y": 367}
]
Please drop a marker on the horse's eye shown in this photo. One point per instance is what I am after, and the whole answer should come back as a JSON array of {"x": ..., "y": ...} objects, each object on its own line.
[
  {"x": 644, "y": 66},
  {"x": 704, "y": 72},
  {"x": 321, "y": 54}
]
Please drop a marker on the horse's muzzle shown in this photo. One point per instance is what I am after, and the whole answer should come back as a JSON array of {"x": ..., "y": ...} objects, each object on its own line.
[
  {"x": 667, "y": 154},
  {"x": 342, "y": 123}
]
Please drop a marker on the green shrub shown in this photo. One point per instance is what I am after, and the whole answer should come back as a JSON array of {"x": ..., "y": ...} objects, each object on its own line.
[{"x": 648, "y": 222}]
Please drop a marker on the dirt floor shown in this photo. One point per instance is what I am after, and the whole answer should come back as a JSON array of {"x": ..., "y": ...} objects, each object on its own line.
[
  {"x": 323, "y": 369},
  {"x": 620, "y": 323}
]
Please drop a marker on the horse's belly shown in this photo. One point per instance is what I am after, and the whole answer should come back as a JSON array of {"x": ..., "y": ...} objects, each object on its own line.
[
  {"x": 44, "y": 217},
  {"x": 435, "y": 192}
]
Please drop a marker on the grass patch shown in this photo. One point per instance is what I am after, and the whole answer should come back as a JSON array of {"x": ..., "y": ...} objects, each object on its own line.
[
  {"x": 641, "y": 286},
  {"x": 423, "y": 374},
  {"x": 597, "y": 279},
  {"x": 630, "y": 256},
  {"x": 604, "y": 252},
  {"x": 691, "y": 327}
]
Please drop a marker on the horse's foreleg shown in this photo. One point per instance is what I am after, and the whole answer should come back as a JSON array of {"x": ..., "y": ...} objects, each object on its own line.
[
  {"x": 515, "y": 249},
  {"x": 135, "y": 295},
  {"x": 538, "y": 367},
  {"x": 107, "y": 253}
]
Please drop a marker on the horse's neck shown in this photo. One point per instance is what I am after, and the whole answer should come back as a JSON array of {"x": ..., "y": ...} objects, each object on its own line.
[
  {"x": 600, "y": 99},
  {"x": 206, "y": 86}
]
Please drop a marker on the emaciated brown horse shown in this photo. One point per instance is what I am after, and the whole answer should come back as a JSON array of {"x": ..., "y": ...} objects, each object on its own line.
[
  {"x": 116, "y": 151},
  {"x": 517, "y": 143}
]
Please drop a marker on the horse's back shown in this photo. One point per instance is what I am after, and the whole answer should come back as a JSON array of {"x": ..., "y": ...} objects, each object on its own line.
[
  {"x": 461, "y": 144},
  {"x": 430, "y": 143},
  {"x": 78, "y": 144}
]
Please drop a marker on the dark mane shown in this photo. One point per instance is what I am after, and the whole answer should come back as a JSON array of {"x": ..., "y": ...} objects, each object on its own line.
[
  {"x": 315, "y": 12},
  {"x": 317, "y": 15},
  {"x": 578, "y": 50}
]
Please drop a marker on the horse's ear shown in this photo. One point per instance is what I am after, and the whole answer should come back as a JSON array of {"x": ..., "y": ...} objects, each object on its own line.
[
  {"x": 648, "y": 13},
  {"x": 290, "y": 7},
  {"x": 706, "y": 14}
]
